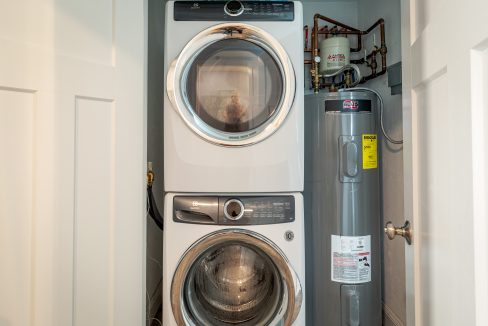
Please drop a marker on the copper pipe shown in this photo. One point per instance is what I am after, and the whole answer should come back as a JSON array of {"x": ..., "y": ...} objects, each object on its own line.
[
  {"x": 334, "y": 22},
  {"x": 340, "y": 33},
  {"x": 371, "y": 76},
  {"x": 346, "y": 30},
  {"x": 315, "y": 52},
  {"x": 381, "y": 22},
  {"x": 308, "y": 62},
  {"x": 358, "y": 61},
  {"x": 383, "y": 50}
]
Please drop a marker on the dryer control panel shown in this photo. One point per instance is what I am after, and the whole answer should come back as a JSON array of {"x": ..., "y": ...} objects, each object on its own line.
[
  {"x": 234, "y": 10},
  {"x": 230, "y": 210}
]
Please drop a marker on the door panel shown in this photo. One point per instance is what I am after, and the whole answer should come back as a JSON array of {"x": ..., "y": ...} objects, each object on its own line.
[
  {"x": 435, "y": 245},
  {"x": 72, "y": 170},
  {"x": 94, "y": 217},
  {"x": 441, "y": 150},
  {"x": 17, "y": 108}
]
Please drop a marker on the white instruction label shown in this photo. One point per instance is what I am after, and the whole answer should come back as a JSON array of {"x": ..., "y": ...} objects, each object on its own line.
[{"x": 351, "y": 259}]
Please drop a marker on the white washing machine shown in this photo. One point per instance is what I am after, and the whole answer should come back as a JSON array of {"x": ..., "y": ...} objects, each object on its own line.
[
  {"x": 233, "y": 108},
  {"x": 233, "y": 260}
]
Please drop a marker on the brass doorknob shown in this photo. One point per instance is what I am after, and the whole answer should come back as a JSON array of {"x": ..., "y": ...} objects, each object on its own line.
[{"x": 405, "y": 231}]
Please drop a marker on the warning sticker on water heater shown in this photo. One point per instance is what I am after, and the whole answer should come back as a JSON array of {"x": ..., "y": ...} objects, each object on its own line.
[
  {"x": 350, "y": 259},
  {"x": 370, "y": 151}
]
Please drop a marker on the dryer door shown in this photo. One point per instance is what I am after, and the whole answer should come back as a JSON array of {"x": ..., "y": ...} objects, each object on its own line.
[
  {"x": 234, "y": 277},
  {"x": 233, "y": 84}
]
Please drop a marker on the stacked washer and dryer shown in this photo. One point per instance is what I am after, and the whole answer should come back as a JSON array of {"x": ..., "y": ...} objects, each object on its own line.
[{"x": 233, "y": 151}]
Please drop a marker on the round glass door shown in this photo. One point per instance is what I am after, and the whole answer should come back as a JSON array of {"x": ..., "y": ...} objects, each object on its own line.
[
  {"x": 233, "y": 85},
  {"x": 235, "y": 277},
  {"x": 233, "y": 283}
]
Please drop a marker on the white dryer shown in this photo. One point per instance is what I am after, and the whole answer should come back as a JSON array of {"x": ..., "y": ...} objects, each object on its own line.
[
  {"x": 233, "y": 260},
  {"x": 233, "y": 108}
]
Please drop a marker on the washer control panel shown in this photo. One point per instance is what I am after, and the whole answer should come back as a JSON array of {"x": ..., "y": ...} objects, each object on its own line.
[
  {"x": 234, "y": 10},
  {"x": 228, "y": 210}
]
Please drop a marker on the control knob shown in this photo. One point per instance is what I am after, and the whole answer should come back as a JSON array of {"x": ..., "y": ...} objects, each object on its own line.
[
  {"x": 233, "y": 209},
  {"x": 234, "y": 8}
]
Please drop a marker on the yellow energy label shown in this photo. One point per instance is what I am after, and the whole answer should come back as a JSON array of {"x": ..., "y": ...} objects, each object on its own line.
[{"x": 370, "y": 151}]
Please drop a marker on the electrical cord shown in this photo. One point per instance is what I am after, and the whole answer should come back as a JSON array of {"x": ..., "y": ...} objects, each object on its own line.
[{"x": 383, "y": 131}]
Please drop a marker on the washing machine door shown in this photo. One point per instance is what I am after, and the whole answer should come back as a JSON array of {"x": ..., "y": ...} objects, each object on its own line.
[
  {"x": 233, "y": 84},
  {"x": 235, "y": 277}
]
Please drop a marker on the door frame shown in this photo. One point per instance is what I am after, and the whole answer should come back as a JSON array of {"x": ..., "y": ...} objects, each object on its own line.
[{"x": 408, "y": 161}]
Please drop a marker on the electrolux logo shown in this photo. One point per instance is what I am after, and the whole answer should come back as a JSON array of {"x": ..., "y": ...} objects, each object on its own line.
[
  {"x": 350, "y": 105},
  {"x": 195, "y": 5}
]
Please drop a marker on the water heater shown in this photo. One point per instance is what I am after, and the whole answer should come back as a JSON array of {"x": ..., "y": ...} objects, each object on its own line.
[{"x": 343, "y": 224}]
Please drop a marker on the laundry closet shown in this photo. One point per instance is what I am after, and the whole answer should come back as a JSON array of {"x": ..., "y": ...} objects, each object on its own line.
[
  {"x": 411, "y": 175},
  {"x": 361, "y": 15}
]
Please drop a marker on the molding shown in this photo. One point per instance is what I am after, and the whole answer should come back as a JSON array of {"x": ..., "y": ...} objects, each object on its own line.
[{"x": 391, "y": 316}]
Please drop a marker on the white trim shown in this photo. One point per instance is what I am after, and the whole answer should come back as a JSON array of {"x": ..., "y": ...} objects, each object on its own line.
[
  {"x": 479, "y": 104},
  {"x": 409, "y": 177}
]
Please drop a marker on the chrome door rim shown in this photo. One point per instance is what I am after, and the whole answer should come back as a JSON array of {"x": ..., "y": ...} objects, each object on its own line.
[
  {"x": 178, "y": 73},
  {"x": 290, "y": 280}
]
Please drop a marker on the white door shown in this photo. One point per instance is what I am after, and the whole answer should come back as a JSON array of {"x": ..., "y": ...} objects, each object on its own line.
[
  {"x": 72, "y": 139},
  {"x": 445, "y": 52}
]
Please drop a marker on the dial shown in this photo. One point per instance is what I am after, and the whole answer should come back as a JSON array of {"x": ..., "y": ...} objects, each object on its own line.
[
  {"x": 233, "y": 209},
  {"x": 233, "y": 8}
]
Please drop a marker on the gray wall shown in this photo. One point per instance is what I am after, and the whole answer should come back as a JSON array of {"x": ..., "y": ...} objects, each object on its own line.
[
  {"x": 392, "y": 157},
  {"x": 155, "y": 148}
]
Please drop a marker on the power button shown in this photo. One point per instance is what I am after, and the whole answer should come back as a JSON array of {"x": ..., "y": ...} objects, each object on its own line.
[{"x": 234, "y": 8}]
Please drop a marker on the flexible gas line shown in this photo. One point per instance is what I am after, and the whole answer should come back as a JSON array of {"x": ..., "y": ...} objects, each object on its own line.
[{"x": 364, "y": 89}]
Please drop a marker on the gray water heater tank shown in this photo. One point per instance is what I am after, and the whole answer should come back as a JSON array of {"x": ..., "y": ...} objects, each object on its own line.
[{"x": 342, "y": 220}]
